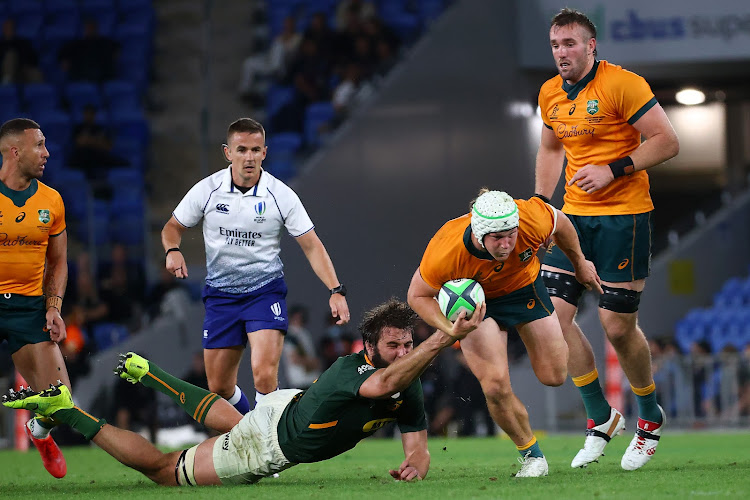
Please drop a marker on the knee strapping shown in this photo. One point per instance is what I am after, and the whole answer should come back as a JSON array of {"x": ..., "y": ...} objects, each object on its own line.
[
  {"x": 184, "y": 472},
  {"x": 564, "y": 286},
  {"x": 620, "y": 300}
]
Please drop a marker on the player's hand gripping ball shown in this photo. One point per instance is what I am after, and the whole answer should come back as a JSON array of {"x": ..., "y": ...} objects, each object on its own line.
[{"x": 460, "y": 295}]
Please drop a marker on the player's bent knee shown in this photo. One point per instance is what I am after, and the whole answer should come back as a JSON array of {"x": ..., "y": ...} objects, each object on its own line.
[
  {"x": 619, "y": 300},
  {"x": 563, "y": 286},
  {"x": 496, "y": 391}
]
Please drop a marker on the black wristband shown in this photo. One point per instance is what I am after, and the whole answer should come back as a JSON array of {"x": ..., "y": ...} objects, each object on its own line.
[
  {"x": 543, "y": 198},
  {"x": 623, "y": 166},
  {"x": 174, "y": 249},
  {"x": 341, "y": 290}
]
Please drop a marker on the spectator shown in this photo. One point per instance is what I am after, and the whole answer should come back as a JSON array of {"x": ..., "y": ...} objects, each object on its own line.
[
  {"x": 88, "y": 308},
  {"x": 257, "y": 68},
  {"x": 19, "y": 61},
  {"x": 357, "y": 9},
  {"x": 301, "y": 361},
  {"x": 123, "y": 290},
  {"x": 75, "y": 348},
  {"x": 90, "y": 58},
  {"x": 167, "y": 297},
  {"x": 92, "y": 147}
]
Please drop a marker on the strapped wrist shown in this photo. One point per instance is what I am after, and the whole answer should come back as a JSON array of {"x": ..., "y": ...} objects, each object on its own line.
[
  {"x": 621, "y": 167},
  {"x": 173, "y": 249},
  {"x": 54, "y": 301}
]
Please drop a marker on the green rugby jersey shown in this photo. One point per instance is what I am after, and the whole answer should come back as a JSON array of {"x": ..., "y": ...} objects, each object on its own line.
[{"x": 331, "y": 417}]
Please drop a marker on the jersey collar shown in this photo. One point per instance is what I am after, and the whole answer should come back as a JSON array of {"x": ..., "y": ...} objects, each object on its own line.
[
  {"x": 260, "y": 188},
  {"x": 367, "y": 359},
  {"x": 574, "y": 90},
  {"x": 479, "y": 254},
  {"x": 19, "y": 198}
]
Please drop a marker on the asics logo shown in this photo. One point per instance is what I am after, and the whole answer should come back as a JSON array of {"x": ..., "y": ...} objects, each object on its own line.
[
  {"x": 623, "y": 264},
  {"x": 531, "y": 304},
  {"x": 21, "y": 217},
  {"x": 222, "y": 207}
]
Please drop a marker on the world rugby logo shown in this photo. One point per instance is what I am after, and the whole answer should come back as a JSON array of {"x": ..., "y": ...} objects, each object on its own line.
[
  {"x": 260, "y": 208},
  {"x": 276, "y": 309}
]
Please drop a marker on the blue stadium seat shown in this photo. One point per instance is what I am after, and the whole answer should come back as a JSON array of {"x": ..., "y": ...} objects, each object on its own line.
[
  {"x": 128, "y": 229},
  {"x": 16, "y": 7},
  {"x": 52, "y": 7},
  {"x": 276, "y": 98},
  {"x": 11, "y": 103},
  {"x": 120, "y": 95},
  {"x": 284, "y": 145},
  {"x": 40, "y": 95},
  {"x": 283, "y": 170},
  {"x": 126, "y": 178},
  {"x": 108, "y": 335},
  {"x": 429, "y": 10},
  {"x": 80, "y": 94},
  {"x": 131, "y": 125},
  {"x": 57, "y": 125},
  {"x": 29, "y": 24},
  {"x": 317, "y": 114},
  {"x": 690, "y": 329}
]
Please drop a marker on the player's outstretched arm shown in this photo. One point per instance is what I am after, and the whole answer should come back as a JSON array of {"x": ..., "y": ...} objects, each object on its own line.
[
  {"x": 405, "y": 370},
  {"x": 417, "y": 462}
]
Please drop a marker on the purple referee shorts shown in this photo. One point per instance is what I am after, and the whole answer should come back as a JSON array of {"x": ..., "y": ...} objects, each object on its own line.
[{"x": 231, "y": 316}]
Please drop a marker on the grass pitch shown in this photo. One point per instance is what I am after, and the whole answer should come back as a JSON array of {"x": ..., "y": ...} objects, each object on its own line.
[{"x": 687, "y": 465}]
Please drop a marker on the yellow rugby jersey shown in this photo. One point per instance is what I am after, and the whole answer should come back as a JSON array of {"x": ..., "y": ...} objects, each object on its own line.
[
  {"x": 451, "y": 254},
  {"x": 594, "y": 121},
  {"x": 28, "y": 219}
]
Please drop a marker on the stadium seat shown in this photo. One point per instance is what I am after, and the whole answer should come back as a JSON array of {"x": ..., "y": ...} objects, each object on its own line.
[
  {"x": 283, "y": 170},
  {"x": 108, "y": 335},
  {"x": 11, "y": 102},
  {"x": 57, "y": 125},
  {"x": 276, "y": 98},
  {"x": 40, "y": 95},
  {"x": 120, "y": 95},
  {"x": 316, "y": 115},
  {"x": 81, "y": 94},
  {"x": 131, "y": 125},
  {"x": 284, "y": 146},
  {"x": 25, "y": 6},
  {"x": 690, "y": 329},
  {"x": 29, "y": 24}
]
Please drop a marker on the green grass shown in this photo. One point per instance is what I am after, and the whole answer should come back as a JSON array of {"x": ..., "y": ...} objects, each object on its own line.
[{"x": 687, "y": 465}]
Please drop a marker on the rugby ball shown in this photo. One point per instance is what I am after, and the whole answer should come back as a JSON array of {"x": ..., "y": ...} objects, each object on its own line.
[{"x": 459, "y": 295}]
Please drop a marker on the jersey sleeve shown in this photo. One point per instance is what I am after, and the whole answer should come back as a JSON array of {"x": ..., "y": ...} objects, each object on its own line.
[
  {"x": 542, "y": 102},
  {"x": 190, "y": 209},
  {"x": 538, "y": 219},
  {"x": 296, "y": 219},
  {"x": 632, "y": 95},
  {"x": 58, "y": 223},
  {"x": 411, "y": 417},
  {"x": 352, "y": 373}
]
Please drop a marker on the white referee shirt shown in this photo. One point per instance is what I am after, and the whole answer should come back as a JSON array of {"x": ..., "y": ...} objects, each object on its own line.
[{"x": 242, "y": 232}]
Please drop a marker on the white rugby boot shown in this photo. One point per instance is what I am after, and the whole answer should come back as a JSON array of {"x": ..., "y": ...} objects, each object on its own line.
[
  {"x": 532, "y": 466},
  {"x": 597, "y": 437},
  {"x": 643, "y": 445}
]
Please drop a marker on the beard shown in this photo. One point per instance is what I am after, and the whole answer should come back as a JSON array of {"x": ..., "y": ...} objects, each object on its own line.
[{"x": 377, "y": 359}]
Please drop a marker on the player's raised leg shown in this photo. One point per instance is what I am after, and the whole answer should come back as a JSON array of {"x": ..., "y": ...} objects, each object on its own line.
[{"x": 205, "y": 407}]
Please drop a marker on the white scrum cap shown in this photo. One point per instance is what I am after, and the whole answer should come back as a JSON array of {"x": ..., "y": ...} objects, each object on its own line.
[{"x": 493, "y": 212}]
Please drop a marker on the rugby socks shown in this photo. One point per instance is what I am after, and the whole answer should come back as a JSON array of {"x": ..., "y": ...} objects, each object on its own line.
[
  {"x": 40, "y": 426},
  {"x": 81, "y": 421},
  {"x": 239, "y": 400},
  {"x": 530, "y": 449},
  {"x": 647, "y": 407},
  {"x": 194, "y": 400},
  {"x": 597, "y": 407}
]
